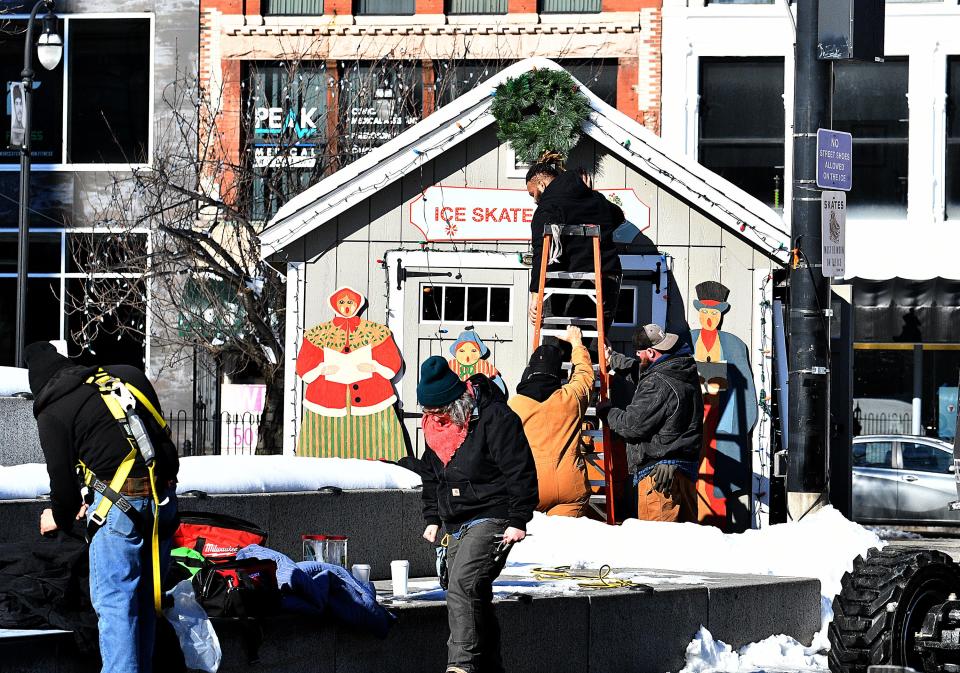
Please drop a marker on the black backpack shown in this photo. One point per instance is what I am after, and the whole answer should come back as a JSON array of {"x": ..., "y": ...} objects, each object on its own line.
[{"x": 238, "y": 589}]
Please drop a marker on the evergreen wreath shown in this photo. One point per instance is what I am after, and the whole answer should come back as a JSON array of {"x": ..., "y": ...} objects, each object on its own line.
[{"x": 540, "y": 111}]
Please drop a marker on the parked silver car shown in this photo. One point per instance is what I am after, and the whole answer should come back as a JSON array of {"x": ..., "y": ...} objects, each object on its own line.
[{"x": 903, "y": 479}]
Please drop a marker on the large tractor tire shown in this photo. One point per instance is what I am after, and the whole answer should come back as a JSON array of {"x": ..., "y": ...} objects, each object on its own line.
[{"x": 882, "y": 604}]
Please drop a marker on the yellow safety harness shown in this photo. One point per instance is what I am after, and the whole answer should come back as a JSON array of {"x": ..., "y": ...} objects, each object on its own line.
[{"x": 121, "y": 398}]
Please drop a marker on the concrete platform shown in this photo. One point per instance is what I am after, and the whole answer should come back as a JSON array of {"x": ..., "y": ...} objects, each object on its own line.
[{"x": 587, "y": 631}]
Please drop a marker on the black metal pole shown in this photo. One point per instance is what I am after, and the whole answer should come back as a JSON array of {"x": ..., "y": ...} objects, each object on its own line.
[
  {"x": 809, "y": 383},
  {"x": 23, "y": 220}
]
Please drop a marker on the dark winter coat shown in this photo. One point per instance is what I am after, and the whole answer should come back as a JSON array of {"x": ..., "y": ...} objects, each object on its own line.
[
  {"x": 492, "y": 474},
  {"x": 567, "y": 200},
  {"x": 74, "y": 423},
  {"x": 665, "y": 417}
]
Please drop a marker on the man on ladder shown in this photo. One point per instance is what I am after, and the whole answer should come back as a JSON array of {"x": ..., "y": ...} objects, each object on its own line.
[
  {"x": 563, "y": 197},
  {"x": 105, "y": 422}
]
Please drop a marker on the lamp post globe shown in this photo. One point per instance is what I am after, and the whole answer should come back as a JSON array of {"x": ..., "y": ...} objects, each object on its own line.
[{"x": 49, "y": 50}]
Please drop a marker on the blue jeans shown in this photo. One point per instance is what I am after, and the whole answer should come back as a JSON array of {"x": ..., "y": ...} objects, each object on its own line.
[{"x": 121, "y": 584}]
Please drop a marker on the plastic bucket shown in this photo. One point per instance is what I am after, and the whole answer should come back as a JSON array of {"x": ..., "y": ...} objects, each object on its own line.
[{"x": 330, "y": 549}]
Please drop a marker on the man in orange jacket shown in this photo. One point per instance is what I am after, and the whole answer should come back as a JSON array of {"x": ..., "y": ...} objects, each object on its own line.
[{"x": 552, "y": 413}]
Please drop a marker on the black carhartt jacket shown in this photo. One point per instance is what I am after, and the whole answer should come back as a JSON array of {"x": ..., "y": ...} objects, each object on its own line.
[
  {"x": 492, "y": 474},
  {"x": 665, "y": 417},
  {"x": 74, "y": 423},
  {"x": 567, "y": 200}
]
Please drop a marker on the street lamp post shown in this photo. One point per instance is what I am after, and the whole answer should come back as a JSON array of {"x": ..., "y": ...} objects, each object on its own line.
[{"x": 49, "y": 51}]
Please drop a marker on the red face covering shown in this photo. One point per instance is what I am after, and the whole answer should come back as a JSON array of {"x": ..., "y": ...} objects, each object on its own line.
[{"x": 443, "y": 436}]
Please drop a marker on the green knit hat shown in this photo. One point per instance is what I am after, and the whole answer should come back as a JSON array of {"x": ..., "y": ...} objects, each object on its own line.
[{"x": 438, "y": 384}]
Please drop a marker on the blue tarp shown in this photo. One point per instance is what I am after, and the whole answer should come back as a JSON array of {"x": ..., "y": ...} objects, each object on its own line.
[{"x": 315, "y": 588}]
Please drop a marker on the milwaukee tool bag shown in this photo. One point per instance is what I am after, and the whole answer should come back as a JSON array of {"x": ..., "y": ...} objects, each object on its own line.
[
  {"x": 217, "y": 537},
  {"x": 238, "y": 589}
]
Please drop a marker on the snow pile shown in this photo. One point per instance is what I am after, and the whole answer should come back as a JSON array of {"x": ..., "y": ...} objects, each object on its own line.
[
  {"x": 13, "y": 380},
  {"x": 822, "y": 545},
  {"x": 243, "y": 474}
]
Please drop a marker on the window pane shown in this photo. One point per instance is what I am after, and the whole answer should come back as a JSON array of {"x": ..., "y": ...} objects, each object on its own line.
[
  {"x": 477, "y": 304},
  {"x": 106, "y": 253},
  {"x": 600, "y": 76},
  {"x": 873, "y": 454},
  {"x": 499, "y": 304},
  {"x": 953, "y": 137},
  {"x": 626, "y": 306},
  {"x": 745, "y": 149},
  {"x": 883, "y": 392},
  {"x": 292, "y": 7},
  {"x": 431, "y": 298},
  {"x": 377, "y": 103},
  {"x": 870, "y": 101},
  {"x": 455, "y": 78},
  {"x": 123, "y": 346},
  {"x": 109, "y": 86},
  {"x": 925, "y": 458},
  {"x": 46, "y": 99},
  {"x": 569, "y": 6},
  {"x": 453, "y": 300},
  {"x": 43, "y": 313},
  {"x": 476, "y": 6},
  {"x": 44, "y": 252},
  {"x": 400, "y": 7}
]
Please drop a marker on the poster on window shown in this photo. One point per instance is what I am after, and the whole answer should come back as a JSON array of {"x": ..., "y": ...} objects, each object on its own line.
[
  {"x": 287, "y": 108},
  {"x": 378, "y": 103}
]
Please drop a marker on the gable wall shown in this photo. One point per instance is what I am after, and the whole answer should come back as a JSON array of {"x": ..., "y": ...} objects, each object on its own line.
[{"x": 344, "y": 251}]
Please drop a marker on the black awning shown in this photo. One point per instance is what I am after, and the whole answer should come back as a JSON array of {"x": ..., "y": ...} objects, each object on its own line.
[{"x": 906, "y": 311}]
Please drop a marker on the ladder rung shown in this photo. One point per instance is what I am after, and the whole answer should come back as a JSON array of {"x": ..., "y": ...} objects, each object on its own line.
[
  {"x": 573, "y": 229},
  {"x": 561, "y": 332},
  {"x": 593, "y": 434},
  {"x": 571, "y": 275},
  {"x": 567, "y": 366},
  {"x": 566, "y": 320},
  {"x": 597, "y": 482},
  {"x": 586, "y": 291}
]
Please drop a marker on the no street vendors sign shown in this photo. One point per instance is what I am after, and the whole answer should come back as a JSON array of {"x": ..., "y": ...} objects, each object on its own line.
[{"x": 834, "y": 160}]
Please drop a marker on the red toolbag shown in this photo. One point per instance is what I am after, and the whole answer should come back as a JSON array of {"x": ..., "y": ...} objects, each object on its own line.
[{"x": 216, "y": 536}]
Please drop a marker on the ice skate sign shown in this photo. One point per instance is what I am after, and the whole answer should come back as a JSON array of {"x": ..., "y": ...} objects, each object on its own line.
[
  {"x": 833, "y": 223},
  {"x": 834, "y": 160}
]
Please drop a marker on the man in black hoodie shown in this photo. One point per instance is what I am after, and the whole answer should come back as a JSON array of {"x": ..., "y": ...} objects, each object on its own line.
[
  {"x": 75, "y": 425},
  {"x": 563, "y": 197},
  {"x": 663, "y": 424}
]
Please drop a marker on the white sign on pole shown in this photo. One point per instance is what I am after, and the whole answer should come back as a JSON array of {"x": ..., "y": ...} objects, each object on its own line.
[
  {"x": 18, "y": 113},
  {"x": 833, "y": 223}
]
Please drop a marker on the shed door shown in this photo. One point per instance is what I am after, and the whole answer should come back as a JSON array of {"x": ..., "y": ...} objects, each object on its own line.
[{"x": 436, "y": 296}]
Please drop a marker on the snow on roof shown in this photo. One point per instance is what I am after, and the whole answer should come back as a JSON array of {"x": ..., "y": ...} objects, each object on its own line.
[{"x": 451, "y": 124}]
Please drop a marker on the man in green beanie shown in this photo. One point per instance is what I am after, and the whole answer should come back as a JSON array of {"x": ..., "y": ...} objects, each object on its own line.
[{"x": 480, "y": 483}]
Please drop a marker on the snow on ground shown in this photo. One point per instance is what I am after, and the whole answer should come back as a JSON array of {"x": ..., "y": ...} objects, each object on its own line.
[
  {"x": 13, "y": 380},
  {"x": 822, "y": 545},
  {"x": 242, "y": 474},
  {"x": 894, "y": 533}
]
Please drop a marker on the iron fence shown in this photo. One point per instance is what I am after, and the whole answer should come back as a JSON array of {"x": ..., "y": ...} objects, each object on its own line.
[
  {"x": 222, "y": 434},
  {"x": 886, "y": 424}
]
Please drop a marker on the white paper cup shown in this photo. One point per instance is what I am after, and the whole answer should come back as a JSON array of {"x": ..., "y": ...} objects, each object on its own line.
[
  {"x": 361, "y": 572},
  {"x": 400, "y": 574}
]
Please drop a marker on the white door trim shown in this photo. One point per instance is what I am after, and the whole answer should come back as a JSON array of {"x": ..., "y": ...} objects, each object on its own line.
[{"x": 293, "y": 386}]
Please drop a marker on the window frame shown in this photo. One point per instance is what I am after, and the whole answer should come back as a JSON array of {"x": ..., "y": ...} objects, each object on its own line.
[
  {"x": 466, "y": 321},
  {"x": 63, "y": 275},
  {"x": 63, "y": 166}
]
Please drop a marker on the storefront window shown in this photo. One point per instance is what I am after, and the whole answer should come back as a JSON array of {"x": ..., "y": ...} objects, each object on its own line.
[
  {"x": 746, "y": 149},
  {"x": 378, "y": 102},
  {"x": 870, "y": 102},
  {"x": 287, "y": 131}
]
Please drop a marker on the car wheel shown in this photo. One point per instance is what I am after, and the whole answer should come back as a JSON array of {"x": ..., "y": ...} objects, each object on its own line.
[{"x": 882, "y": 604}]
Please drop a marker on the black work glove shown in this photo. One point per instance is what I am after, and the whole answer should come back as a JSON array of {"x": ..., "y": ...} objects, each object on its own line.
[
  {"x": 662, "y": 475},
  {"x": 603, "y": 409}
]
